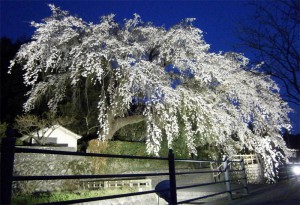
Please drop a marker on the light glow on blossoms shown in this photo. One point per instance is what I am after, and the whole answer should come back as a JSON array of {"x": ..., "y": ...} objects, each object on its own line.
[{"x": 170, "y": 73}]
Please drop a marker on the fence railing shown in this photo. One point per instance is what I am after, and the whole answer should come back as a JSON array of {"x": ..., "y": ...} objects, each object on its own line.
[
  {"x": 8, "y": 150},
  {"x": 248, "y": 158}
]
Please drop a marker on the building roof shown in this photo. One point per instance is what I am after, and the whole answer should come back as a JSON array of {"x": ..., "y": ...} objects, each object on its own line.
[
  {"x": 67, "y": 131},
  {"x": 55, "y": 127}
]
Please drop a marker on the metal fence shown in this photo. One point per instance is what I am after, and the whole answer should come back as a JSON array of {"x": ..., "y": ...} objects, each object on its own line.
[{"x": 8, "y": 150}]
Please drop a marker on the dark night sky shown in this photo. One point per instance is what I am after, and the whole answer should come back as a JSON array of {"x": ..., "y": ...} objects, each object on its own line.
[{"x": 218, "y": 19}]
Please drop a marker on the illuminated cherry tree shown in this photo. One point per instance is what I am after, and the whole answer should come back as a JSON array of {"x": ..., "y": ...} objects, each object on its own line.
[{"x": 169, "y": 74}]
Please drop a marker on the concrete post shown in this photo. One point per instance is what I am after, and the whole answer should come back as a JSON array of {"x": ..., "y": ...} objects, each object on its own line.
[
  {"x": 227, "y": 177},
  {"x": 244, "y": 176}
]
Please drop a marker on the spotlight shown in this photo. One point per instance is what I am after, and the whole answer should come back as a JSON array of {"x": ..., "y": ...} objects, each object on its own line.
[{"x": 296, "y": 170}]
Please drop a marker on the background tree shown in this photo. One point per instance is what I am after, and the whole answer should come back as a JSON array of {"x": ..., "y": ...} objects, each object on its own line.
[
  {"x": 166, "y": 78},
  {"x": 273, "y": 36},
  {"x": 39, "y": 128},
  {"x": 12, "y": 88},
  {"x": 3, "y": 127}
]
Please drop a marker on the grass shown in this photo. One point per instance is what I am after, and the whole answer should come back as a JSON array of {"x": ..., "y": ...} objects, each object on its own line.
[
  {"x": 115, "y": 165},
  {"x": 46, "y": 197}
]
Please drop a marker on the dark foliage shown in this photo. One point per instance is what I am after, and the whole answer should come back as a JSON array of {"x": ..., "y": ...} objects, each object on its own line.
[{"x": 13, "y": 90}]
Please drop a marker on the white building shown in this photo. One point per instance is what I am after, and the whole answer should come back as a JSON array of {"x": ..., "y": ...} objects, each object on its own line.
[{"x": 58, "y": 135}]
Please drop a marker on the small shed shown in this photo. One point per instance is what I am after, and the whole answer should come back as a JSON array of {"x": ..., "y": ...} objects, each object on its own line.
[{"x": 59, "y": 136}]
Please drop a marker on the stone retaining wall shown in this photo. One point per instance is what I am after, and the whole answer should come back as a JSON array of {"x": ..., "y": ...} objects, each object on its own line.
[
  {"x": 31, "y": 164},
  {"x": 254, "y": 173}
]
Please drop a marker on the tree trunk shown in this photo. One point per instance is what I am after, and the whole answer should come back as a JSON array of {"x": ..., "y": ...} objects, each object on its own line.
[{"x": 117, "y": 123}]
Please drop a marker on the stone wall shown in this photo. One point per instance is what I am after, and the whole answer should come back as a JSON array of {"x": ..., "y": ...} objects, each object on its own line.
[
  {"x": 254, "y": 173},
  {"x": 31, "y": 164}
]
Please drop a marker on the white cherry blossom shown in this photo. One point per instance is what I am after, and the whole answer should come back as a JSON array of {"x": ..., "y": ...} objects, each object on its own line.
[{"x": 170, "y": 71}]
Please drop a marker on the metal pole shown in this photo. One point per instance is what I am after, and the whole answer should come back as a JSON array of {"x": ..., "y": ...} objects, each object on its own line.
[
  {"x": 172, "y": 178},
  {"x": 286, "y": 171},
  {"x": 7, "y": 166},
  {"x": 244, "y": 176},
  {"x": 227, "y": 178}
]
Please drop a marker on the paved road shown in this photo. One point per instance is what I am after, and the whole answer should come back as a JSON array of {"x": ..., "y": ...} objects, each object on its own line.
[
  {"x": 282, "y": 193},
  {"x": 286, "y": 192}
]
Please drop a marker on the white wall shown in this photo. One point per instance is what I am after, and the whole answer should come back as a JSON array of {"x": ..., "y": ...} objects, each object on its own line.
[
  {"x": 64, "y": 138},
  {"x": 62, "y": 135}
]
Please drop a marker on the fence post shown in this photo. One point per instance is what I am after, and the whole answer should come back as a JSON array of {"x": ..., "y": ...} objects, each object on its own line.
[
  {"x": 7, "y": 166},
  {"x": 227, "y": 177},
  {"x": 244, "y": 176},
  {"x": 286, "y": 171},
  {"x": 172, "y": 178}
]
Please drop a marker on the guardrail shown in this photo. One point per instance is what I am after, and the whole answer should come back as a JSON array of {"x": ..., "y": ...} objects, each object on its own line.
[
  {"x": 108, "y": 183},
  {"x": 8, "y": 150},
  {"x": 248, "y": 158}
]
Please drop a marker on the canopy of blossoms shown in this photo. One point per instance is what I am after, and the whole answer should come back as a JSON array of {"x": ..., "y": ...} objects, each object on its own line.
[{"x": 171, "y": 72}]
